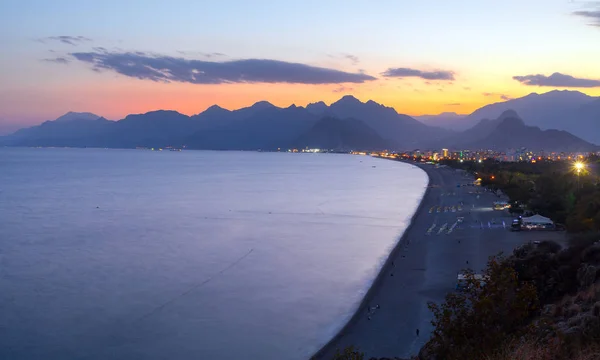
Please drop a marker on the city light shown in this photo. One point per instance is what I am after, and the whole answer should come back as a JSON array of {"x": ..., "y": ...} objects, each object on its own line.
[{"x": 578, "y": 166}]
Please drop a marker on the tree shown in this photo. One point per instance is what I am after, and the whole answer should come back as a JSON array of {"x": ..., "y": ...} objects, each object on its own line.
[
  {"x": 473, "y": 323},
  {"x": 349, "y": 353}
]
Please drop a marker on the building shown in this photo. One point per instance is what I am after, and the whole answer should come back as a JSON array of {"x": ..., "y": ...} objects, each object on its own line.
[
  {"x": 537, "y": 222},
  {"x": 445, "y": 153}
]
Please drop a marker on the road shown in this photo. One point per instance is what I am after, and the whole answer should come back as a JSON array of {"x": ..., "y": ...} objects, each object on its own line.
[{"x": 434, "y": 249}]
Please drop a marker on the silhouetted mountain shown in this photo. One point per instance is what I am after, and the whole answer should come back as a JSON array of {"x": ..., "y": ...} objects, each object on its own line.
[
  {"x": 265, "y": 126},
  {"x": 510, "y": 132},
  {"x": 71, "y": 116},
  {"x": 317, "y": 108},
  {"x": 447, "y": 120},
  {"x": 153, "y": 129},
  {"x": 401, "y": 131},
  {"x": 347, "y": 134},
  {"x": 267, "y": 129},
  {"x": 572, "y": 111},
  {"x": 480, "y": 131},
  {"x": 68, "y": 129}
]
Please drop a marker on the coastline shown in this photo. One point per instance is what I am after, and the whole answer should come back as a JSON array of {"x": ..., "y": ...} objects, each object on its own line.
[
  {"x": 425, "y": 271},
  {"x": 377, "y": 282}
]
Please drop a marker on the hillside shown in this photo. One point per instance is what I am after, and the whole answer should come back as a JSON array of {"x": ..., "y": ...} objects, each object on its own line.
[
  {"x": 509, "y": 131},
  {"x": 571, "y": 111},
  {"x": 402, "y": 131},
  {"x": 447, "y": 120},
  {"x": 348, "y": 134}
]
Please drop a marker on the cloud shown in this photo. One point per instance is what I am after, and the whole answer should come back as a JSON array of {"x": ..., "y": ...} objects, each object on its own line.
[
  {"x": 58, "y": 60},
  {"x": 171, "y": 69},
  {"x": 353, "y": 59},
  {"x": 453, "y": 104},
  {"x": 593, "y": 15},
  {"x": 467, "y": 88},
  {"x": 501, "y": 96},
  {"x": 427, "y": 75},
  {"x": 199, "y": 53},
  {"x": 557, "y": 80},
  {"x": 342, "y": 89},
  {"x": 71, "y": 40}
]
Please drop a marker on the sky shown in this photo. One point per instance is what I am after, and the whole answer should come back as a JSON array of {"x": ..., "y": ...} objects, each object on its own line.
[{"x": 115, "y": 58}]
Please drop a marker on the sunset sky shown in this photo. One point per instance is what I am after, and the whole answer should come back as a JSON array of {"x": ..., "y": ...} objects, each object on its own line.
[{"x": 114, "y": 58}]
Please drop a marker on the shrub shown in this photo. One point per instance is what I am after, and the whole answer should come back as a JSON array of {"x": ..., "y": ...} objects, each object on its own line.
[{"x": 473, "y": 323}]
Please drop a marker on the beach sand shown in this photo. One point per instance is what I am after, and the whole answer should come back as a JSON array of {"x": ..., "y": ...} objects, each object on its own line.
[{"x": 425, "y": 265}]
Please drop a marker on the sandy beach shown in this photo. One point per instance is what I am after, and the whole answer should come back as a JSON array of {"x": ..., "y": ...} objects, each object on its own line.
[{"x": 424, "y": 265}]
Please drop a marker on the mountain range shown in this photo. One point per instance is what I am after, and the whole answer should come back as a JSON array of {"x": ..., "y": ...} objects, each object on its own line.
[
  {"x": 571, "y": 111},
  {"x": 344, "y": 125}
]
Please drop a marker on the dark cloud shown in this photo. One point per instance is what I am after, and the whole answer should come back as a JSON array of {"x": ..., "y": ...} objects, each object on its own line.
[
  {"x": 58, "y": 60},
  {"x": 170, "y": 69},
  {"x": 557, "y": 80},
  {"x": 427, "y": 75},
  {"x": 342, "y": 89},
  {"x": 592, "y": 15},
  {"x": 71, "y": 40},
  {"x": 506, "y": 97}
]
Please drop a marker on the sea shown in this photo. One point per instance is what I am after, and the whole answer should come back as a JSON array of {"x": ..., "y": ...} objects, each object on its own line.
[{"x": 140, "y": 254}]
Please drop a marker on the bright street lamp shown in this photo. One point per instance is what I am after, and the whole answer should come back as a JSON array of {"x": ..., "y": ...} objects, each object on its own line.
[{"x": 578, "y": 166}]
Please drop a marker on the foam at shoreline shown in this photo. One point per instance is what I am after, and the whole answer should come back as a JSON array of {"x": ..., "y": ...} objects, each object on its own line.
[{"x": 370, "y": 287}]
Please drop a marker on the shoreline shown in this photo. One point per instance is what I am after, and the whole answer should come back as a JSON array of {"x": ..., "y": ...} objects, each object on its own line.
[
  {"x": 377, "y": 282},
  {"x": 426, "y": 265}
]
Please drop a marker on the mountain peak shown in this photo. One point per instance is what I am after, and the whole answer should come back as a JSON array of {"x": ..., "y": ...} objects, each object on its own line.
[
  {"x": 509, "y": 114},
  {"x": 262, "y": 105},
  {"x": 216, "y": 108},
  {"x": 348, "y": 99},
  {"x": 71, "y": 115}
]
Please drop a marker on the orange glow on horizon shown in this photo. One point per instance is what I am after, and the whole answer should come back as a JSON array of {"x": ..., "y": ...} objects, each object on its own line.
[{"x": 114, "y": 99}]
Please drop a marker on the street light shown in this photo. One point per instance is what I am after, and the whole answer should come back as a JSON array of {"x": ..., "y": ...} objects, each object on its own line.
[{"x": 579, "y": 167}]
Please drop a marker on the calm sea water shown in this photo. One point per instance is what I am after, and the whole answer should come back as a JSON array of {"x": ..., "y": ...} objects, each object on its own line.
[{"x": 131, "y": 254}]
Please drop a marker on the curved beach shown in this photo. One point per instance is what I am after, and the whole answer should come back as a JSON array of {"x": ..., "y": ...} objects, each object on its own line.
[{"x": 423, "y": 266}]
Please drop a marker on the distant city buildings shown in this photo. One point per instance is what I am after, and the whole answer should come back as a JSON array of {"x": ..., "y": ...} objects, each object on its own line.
[
  {"x": 480, "y": 155},
  {"x": 521, "y": 154}
]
